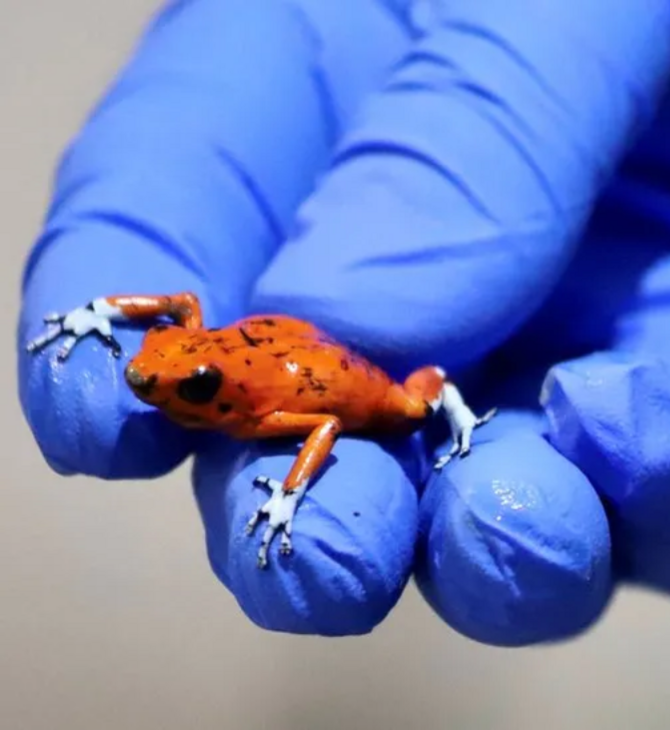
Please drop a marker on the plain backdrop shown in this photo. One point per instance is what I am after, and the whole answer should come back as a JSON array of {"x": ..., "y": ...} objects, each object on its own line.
[{"x": 110, "y": 618}]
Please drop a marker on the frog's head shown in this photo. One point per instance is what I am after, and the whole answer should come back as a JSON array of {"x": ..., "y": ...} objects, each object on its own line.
[{"x": 176, "y": 372}]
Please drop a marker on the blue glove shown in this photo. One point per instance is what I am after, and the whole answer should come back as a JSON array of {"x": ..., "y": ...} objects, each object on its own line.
[{"x": 451, "y": 156}]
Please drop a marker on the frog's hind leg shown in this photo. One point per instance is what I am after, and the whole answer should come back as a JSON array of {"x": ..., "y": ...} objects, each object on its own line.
[
  {"x": 426, "y": 385},
  {"x": 434, "y": 387}
]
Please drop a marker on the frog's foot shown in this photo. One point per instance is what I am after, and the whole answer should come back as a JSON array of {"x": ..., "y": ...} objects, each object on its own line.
[
  {"x": 280, "y": 510},
  {"x": 462, "y": 422},
  {"x": 75, "y": 325}
]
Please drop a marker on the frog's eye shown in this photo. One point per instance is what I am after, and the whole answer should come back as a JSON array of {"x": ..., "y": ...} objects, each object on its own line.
[{"x": 201, "y": 386}]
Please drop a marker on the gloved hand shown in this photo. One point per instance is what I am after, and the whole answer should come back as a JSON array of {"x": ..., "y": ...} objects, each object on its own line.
[{"x": 451, "y": 156}]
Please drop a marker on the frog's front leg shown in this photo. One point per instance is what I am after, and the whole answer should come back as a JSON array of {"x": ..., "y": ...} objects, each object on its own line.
[
  {"x": 280, "y": 509},
  {"x": 96, "y": 318}
]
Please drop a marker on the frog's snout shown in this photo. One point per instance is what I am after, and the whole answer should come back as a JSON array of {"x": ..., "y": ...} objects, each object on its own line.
[{"x": 141, "y": 385}]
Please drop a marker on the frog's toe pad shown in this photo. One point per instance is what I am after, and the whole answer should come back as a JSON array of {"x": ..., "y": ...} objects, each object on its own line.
[
  {"x": 280, "y": 510},
  {"x": 463, "y": 423},
  {"x": 286, "y": 548},
  {"x": 274, "y": 485}
]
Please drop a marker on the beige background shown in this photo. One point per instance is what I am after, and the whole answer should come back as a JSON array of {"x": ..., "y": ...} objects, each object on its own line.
[{"x": 109, "y": 616}]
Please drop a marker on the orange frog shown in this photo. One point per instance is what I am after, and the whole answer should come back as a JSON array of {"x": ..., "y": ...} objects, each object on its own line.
[{"x": 262, "y": 377}]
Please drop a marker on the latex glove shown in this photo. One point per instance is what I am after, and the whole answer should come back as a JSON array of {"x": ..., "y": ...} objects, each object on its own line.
[{"x": 454, "y": 202}]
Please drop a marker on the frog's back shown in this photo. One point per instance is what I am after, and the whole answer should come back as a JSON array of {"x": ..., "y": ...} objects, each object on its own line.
[{"x": 286, "y": 364}]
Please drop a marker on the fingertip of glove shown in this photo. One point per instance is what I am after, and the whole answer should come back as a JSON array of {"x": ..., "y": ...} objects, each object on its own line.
[
  {"x": 85, "y": 423},
  {"x": 609, "y": 413},
  {"x": 514, "y": 545},
  {"x": 353, "y": 540}
]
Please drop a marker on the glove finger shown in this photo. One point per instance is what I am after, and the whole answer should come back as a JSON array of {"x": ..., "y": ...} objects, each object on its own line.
[
  {"x": 614, "y": 290},
  {"x": 176, "y": 182},
  {"x": 514, "y": 545},
  {"x": 455, "y": 204},
  {"x": 353, "y": 535},
  {"x": 608, "y": 412},
  {"x": 605, "y": 412}
]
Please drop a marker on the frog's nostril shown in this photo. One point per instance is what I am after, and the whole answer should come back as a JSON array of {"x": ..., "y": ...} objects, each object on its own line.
[{"x": 141, "y": 384}]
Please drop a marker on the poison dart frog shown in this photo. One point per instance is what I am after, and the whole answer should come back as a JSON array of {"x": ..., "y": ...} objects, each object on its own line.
[{"x": 263, "y": 377}]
